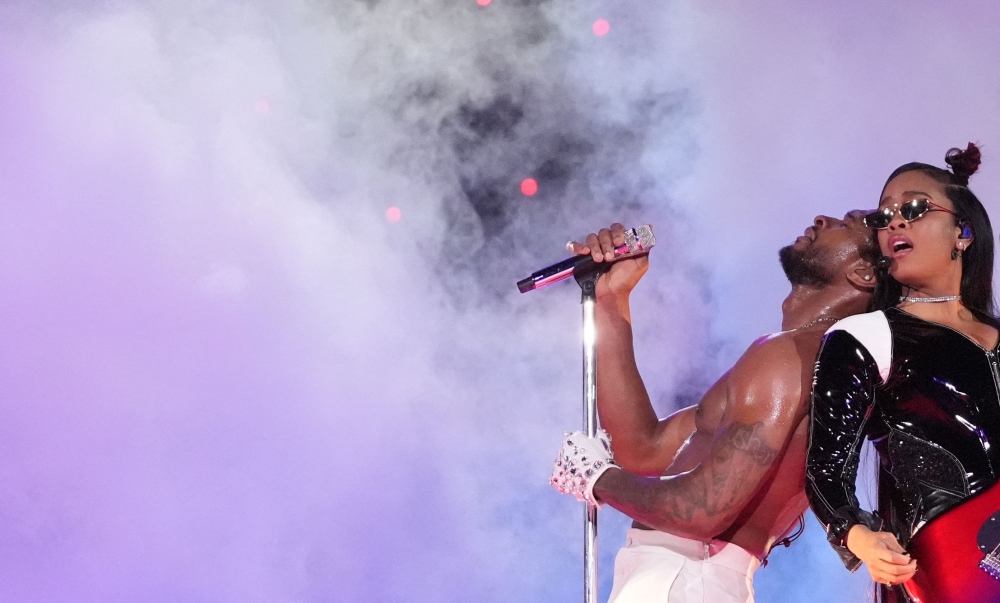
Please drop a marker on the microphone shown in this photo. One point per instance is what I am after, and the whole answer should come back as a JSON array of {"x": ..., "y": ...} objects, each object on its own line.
[
  {"x": 638, "y": 241},
  {"x": 883, "y": 264}
]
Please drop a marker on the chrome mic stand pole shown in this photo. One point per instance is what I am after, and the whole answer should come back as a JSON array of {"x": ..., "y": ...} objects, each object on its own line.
[
  {"x": 638, "y": 241},
  {"x": 588, "y": 284}
]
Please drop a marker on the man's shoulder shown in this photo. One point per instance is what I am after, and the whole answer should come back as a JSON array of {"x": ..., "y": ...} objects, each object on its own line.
[
  {"x": 797, "y": 342},
  {"x": 783, "y": 345},
  {"x": 787, "y": 355},
  {"x": 771, "y": 377},
  {"x": 778, "y": 362},
  {"x": 776, "y": 357}
]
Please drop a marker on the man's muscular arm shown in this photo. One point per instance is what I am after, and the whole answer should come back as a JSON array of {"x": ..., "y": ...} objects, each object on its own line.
[
  {"x": 764, "y": 394},
  {"x": 703, "y": 425},
  {"x": 642, "y": 442}
]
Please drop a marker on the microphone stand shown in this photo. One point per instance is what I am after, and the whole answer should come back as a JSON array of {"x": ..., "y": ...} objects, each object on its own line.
[
  {"x": 638, "y": 241},
  {"x": 586, "y": 277}
]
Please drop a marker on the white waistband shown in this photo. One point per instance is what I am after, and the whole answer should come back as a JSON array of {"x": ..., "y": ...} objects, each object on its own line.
[{"x": 716, "y": 552}]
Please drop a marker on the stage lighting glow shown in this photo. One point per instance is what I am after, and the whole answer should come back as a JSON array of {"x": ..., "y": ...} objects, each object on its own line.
[
  {"x": 601, "y": 27},
  {"x": 393, "y": 214},
  {"x": 263, "y": 107},
  {"x": 483, "y": 2},
  {"x": 529, "y": 187}
]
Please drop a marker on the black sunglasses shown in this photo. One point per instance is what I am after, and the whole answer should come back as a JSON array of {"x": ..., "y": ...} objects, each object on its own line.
[{"x": 909, "y": 211}]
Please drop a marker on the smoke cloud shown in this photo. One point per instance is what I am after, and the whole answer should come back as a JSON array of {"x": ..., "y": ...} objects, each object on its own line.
[{"x": 227, "y": 376}]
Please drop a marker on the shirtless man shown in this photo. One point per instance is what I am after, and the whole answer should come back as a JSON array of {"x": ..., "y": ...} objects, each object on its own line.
[{"x": 736, "y": 484}]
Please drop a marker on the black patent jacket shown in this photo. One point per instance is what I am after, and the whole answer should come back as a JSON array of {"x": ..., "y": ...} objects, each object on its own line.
[{"x": 928, "y": 398}]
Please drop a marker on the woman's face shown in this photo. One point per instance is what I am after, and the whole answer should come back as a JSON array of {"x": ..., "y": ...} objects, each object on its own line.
[{"x": 921, "y": 249}]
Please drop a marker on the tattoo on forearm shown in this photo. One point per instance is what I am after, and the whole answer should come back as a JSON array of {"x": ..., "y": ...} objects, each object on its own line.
[{"x": 739, "y": 461}]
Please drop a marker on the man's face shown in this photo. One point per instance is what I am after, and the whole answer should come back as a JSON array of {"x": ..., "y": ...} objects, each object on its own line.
[{"x": 825, "y": 249}]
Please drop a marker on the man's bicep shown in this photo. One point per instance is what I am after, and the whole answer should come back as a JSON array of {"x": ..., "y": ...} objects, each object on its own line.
[
  {"x": 693, "y": 450},
  {"x": 742, "y": 400},
  {"x": 764, "y": 404},
  {"x": 766, "y": 392},
  {"x": 704, "y": 501},
  {"x": 758, "y": 419},
  {"x": 741, "y": 456},
  {"x": 685, "y": 437}
]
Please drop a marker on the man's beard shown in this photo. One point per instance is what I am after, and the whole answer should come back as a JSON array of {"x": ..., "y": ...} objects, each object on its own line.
[{"x": 804, "y": 267}]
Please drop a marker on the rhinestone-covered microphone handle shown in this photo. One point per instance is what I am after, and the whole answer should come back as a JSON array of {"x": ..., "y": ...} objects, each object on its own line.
[{"x": 638, "y": 240}]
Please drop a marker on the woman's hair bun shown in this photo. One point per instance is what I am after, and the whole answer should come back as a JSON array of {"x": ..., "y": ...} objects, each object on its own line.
[{"x": 963, "y": 163}]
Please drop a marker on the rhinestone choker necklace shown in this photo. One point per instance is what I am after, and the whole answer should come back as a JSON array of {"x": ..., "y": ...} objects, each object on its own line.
[{"x": 930, "y": 300}]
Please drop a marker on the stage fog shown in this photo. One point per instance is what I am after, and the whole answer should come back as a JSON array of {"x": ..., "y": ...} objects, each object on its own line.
[{"x": 261, "y": 339}]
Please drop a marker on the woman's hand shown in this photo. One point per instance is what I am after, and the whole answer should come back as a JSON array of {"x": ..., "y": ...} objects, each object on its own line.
[{"x": 881, "y": 553}]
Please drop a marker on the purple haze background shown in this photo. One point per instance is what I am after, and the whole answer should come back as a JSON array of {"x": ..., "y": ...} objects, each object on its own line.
[{"x": 226, "y": 377}]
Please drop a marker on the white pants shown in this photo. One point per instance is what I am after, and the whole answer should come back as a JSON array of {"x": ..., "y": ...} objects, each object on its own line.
[{"x": 655, "y": 567}]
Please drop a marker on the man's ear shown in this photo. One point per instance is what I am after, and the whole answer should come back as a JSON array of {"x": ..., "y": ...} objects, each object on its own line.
[{"x": 861, "y": 274}]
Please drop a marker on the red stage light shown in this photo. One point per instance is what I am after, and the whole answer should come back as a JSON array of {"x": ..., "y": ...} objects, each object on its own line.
[
  {"x": 483, "y": 2},
  {"x": 393, "y": 214},
  {"x": 529, "y": 187},
  {"x": 601, "y": 27}
]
